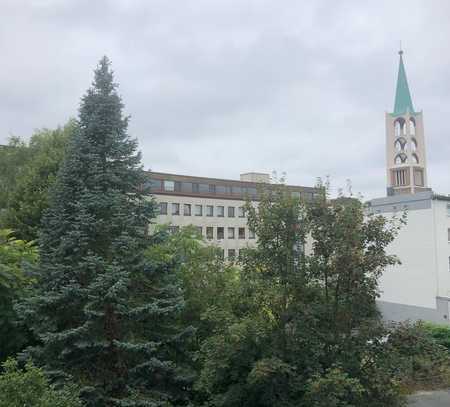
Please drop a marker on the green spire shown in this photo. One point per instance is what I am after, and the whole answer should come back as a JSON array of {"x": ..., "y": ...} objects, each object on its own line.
[{"x": 403, "y": 102}]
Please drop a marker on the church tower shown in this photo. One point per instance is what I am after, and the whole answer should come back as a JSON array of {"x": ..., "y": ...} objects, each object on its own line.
[{"x": 405, "y": 145}]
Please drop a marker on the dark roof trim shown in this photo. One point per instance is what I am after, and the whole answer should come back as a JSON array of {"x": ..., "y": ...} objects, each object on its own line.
[
  {"x": 438, "y": 197},
  {"x": 192, "y": 178}
]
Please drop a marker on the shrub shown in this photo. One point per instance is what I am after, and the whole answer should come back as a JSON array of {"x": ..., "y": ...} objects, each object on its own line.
[
  {"x": 30, "y": 387},
  {"x": 335, "y": 388},
  {"x": 421, "y": 361},
  {"x": 440, "y": 333}
]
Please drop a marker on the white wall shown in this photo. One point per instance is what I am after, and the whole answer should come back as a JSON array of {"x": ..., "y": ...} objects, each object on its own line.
[
  {"x": 423, "y": 248},
  {"x": 442, "y": 224},
  {"x": 204, "y": 221},
  {"x": 414, "y": 282}
]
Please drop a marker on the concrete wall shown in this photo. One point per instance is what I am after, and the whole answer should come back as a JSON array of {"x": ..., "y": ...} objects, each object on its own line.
[
  {"x": 419, "y": 288},
  {"x": 204, "y": 221},
  {"x": 414, "y": 282}
]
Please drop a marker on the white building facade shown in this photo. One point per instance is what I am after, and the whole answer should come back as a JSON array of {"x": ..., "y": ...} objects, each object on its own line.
[
  {"x": 419, "y": 288},
  {"x": 214, "y": 206}
]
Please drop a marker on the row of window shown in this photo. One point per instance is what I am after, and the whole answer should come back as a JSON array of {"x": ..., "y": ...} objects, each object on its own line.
[
  {"x": 192, "y": 187},
  {"x": 157, "y": 185},
  {"x": 218, "y": 233},
  {"x": 198, "y": 210},
  {"x": 232, "y": 254}
]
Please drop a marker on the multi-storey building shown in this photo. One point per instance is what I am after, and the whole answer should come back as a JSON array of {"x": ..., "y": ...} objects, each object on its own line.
[{"x": 214, "y": 206}]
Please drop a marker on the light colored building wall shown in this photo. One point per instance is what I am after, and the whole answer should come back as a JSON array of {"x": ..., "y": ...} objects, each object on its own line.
[
  {"x": 204, "y": 221},
  {"x": 441, "y": 210},
  {"x": 414, "y": 282},
  {"x": 419, "y": 288}
]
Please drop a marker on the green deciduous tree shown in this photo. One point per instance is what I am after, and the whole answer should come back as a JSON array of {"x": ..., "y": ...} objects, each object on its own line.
[
  {"x": 28, "y": 197},
  {"x": 334, "y": 389},
  {"x": 13, "y": 285},
  {"x": 13, "y": 158},
  {"x": 30, "y": 387},
  {"x": 305, "y": 330},
  {"x": 103, "y": 312}
]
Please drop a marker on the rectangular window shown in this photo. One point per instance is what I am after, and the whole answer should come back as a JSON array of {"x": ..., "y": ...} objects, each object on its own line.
[
  {"x": 231, "y": 233},
  {"x": 448, "y": 232},
  {"x": 231, "y": 211},
  {"x": 212, "y": 189},
  {"x": 231, "y": 254},
  {"x": 401, "y": 177},
  {"x": 220, "y": 211},
  {"x": 173, "y": 229},
  {"x": 241, "y": 233},
  {"x": 241, "y": 212},
  {"x": 220, "y": 233},
  {"x": 251, "y": 234},
  {"x": 186, "y": 187},
  {"x": 187, "y": 210},
  {"x": 169, "y": 186},
  {"x": 198, "y": 210},
  {"x": 200, "y": 230},
  {"x": 209, "y": 210},
  {"x": 163, "y": 208},
  {"x": 203, "y": 188},
  {"x": 175, "y": 209},
  {"x": 220, "y": 189},
  {"x": 155, "y": 185},
  {"x": 236, "y": 191},
  {"x": 209, "y": 232},
  {"x": 251, "y": 192},
  {"x": 448, "y": 209}
]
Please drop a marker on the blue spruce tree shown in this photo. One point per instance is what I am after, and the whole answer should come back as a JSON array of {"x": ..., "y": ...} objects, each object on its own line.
[{"x": 105, "y": 316}]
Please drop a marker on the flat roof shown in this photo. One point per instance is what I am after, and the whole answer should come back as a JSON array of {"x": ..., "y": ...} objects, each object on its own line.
[
  {"x": 209, "y": 187},
  {"x": 407, "y": 198},
  {"x": 198, "y": 179}
]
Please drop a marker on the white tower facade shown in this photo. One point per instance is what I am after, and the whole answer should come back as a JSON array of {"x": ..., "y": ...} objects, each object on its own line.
[{"x": 405, "y": 143}]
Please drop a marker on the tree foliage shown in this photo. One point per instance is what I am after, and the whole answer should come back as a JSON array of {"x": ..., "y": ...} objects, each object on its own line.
[
  {"x": 13, "y": 285},
  {"x": 105, "y": 315},
  {"x": 27, "y": 198},
  {"x": 30, "y": 387},
  {"x": 13, "y": 157},
  {"x": 305, "y": 325}
]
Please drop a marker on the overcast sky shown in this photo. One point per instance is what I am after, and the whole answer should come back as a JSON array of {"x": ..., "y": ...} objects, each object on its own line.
[{"x": 219, "y": 87}]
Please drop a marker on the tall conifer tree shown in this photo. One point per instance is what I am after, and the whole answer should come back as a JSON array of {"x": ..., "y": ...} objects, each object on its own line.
[{"x": 103, "y": 313}]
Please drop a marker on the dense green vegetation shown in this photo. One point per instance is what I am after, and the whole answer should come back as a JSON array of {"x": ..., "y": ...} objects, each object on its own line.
[
  {"x": 27, "y": 171},
  {"x": 137, "y": 318},
  {"x": 30, "y": 387},
  {"x": 14, "y": 284}
]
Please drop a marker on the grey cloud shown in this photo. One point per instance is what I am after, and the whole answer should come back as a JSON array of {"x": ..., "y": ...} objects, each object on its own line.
[{"x": 221, "y": 87}]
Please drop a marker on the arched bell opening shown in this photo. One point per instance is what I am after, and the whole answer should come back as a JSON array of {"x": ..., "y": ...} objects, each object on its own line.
[
  {"x": 399, "y": 126},
  {"x": 412, "y": 126},
  {"x": 400, "y": 144},
  {"x": 401, "y": 158}
]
